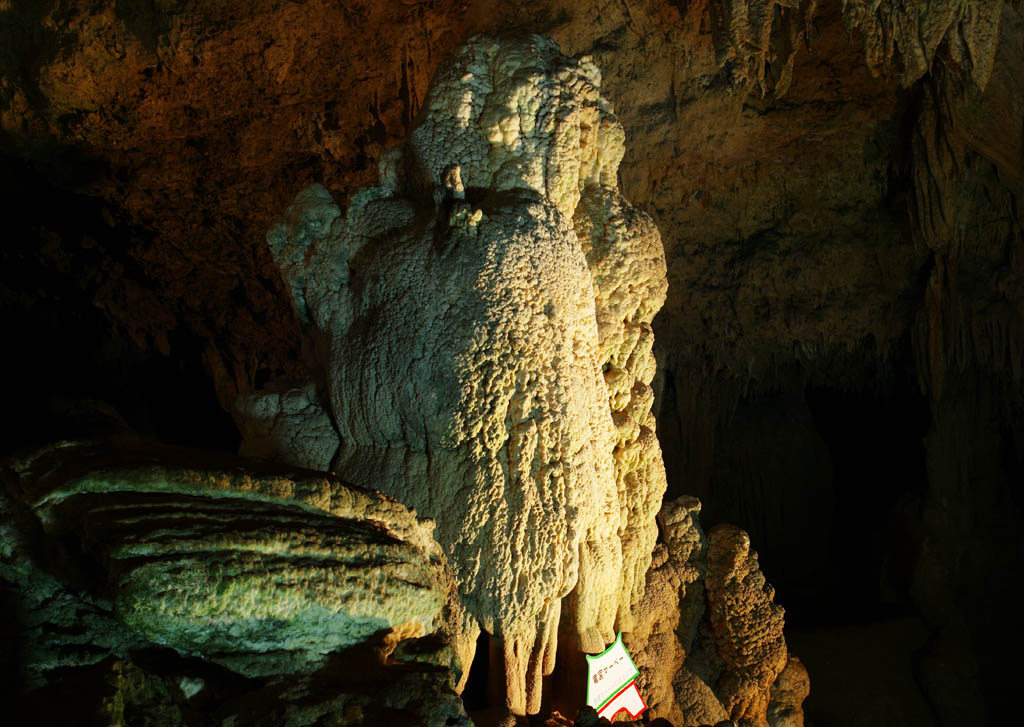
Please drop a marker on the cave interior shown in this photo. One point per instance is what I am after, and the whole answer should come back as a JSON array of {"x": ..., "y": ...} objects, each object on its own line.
[{"x": 840, "y": 357}]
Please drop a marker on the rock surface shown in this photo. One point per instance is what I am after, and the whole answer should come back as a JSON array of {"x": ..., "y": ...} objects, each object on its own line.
[
  {"x": 762, "y": 38},
  {"x": 904, "y": 38},
  {"x": 747, "y": 626},
  {"x": 815, "y": 235},
  {"x": 149, "y": 569},
  {"x": 710, "y": 646},
  {"x": 788, "y": 692},
  {"x": 486, "y": 315}
]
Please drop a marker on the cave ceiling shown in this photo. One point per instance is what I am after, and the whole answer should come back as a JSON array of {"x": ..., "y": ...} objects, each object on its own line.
[{"x": 790, "y": 154}]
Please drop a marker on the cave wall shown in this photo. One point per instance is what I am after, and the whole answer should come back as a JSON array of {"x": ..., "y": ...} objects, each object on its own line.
[
  {"x": 126, "y": 105},
  {"x": 837, "y": 186}
]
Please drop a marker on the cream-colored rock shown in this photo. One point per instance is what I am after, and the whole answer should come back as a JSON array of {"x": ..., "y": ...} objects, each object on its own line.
[
  {"x": 627, "y": 265},
  {"x": 289, "y": 423},
  {"x": 480, "y": 403},
  {"x": 519, "y": 115},
  {"x": 487, "y": 314}
]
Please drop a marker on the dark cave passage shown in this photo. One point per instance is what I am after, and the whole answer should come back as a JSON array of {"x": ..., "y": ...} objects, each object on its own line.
[
  {"x": 829, "y": 482},
  {"x": 77, "y": 373},
  {"x": 875, "y": 442},
  {"x": 78, "y": 378},
  {"x": 474, "y": 696},
  {"x": 861, "y": 605}
]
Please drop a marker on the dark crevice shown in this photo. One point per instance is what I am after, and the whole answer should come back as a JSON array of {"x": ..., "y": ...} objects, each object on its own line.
[{"x": 475, "y": 694}]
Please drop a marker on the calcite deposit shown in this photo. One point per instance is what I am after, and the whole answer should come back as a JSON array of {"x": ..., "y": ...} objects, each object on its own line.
[
  {"x": 762, "y": 38},
  {"x": 904, "y": 38},
  {"x": 482, "y": 322},
  {"x": 747, "y": 625},
  {"x": 710, "y": 644},
  {"x": 120, "y": 551},
  {"x": 787, "y": 695}
]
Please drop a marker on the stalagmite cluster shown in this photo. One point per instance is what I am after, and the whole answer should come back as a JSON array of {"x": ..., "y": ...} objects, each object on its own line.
[
  {"x": 747, "y": 625},
  {"x": 482, "y": 321},
  {"x": 709, "y": 644}
]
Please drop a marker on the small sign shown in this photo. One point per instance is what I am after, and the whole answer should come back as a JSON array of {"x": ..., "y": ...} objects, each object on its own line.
[{"x": 611, "y": 685}]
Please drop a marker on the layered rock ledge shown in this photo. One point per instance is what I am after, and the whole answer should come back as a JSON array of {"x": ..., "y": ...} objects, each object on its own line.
[{"x": 164, "y": 571}]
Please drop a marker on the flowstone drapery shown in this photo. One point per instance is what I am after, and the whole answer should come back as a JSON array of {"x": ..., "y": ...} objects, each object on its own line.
[{"x": 483, "y": 322}]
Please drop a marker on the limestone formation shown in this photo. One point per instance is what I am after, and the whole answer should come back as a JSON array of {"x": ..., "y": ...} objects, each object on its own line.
[
  {"x": 788, "y": 694},
  {"x": 115, "y": 551},
  {"x": 761, "y": 38},
  {"x": 812, "y": 241},
  {"x": 483, "y": 319},
  {"x": 904, "y": 37},
  {"x": 673, "y": 603},
  {"x": 746, "y": 623},
  {"x": 710, "y": 646},
  {"x": 627, "y": 266},
  {"x": 653, "y": 643},
  {"x": 291, "y": 423}
]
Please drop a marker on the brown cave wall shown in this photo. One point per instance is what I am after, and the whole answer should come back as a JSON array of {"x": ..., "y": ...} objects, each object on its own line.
[
  {"x": 840, "y": 349},
  {"x": 764, "y": 209}
]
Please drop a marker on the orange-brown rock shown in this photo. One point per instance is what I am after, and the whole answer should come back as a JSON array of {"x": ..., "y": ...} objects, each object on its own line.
[
  {"x": 747, "y": 626},
  {"x": 838, "y": 184},
  {"x": 709, "y": 644},
  {"x": 673, "y": 604},
  {"x": 787, "y": 695},
  {"x": 317, "y": 91}
]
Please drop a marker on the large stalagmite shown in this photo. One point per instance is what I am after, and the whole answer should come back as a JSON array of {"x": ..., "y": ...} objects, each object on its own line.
[{"x": 480, "y": 323}]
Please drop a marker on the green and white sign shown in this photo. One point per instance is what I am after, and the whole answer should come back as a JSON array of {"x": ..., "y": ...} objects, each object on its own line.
[{"x": 611, "y": 686}]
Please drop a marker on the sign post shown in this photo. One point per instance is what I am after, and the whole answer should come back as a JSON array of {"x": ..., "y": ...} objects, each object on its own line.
[{"x": 611, "y": 682}]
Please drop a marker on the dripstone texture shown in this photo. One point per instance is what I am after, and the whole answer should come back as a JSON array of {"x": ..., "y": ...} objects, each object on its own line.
[
  {"x": 746, "y": 623},
  {"x": 483, "y": 325},
  {"x": 710, "y": 645},
  {"x": 904, "y": 37},
  {"x": 838, "y": 188}
]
